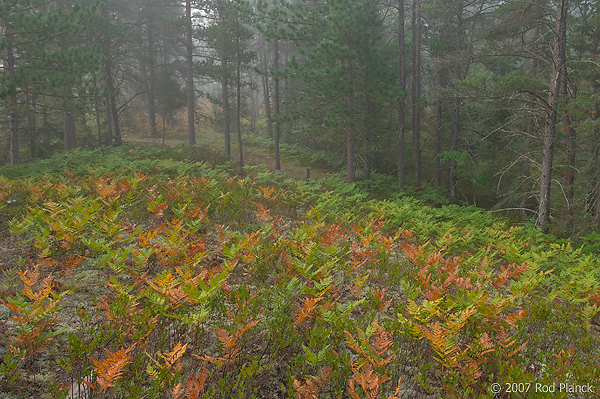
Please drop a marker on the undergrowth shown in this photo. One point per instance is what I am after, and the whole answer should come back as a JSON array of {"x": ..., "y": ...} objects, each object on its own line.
[{"x": 174, "y": 278}]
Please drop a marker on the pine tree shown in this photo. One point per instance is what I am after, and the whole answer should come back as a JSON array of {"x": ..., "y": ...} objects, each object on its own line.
[{"x": 38, "y": 60}]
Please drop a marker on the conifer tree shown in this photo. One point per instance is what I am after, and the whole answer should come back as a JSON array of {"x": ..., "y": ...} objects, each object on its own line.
[{"x": 35, "y": 60}]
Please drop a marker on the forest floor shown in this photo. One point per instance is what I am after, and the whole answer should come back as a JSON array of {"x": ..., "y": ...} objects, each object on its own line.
[
  {"x": 255, "y": 153},
  {"x": 299, "y": 287}
]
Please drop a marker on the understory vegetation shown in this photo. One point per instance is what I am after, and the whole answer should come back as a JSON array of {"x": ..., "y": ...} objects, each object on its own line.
[{"x": 141, "y": 272}]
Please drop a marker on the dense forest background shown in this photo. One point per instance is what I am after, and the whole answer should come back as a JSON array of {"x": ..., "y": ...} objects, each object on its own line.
[{"x": 493, "y": 103}]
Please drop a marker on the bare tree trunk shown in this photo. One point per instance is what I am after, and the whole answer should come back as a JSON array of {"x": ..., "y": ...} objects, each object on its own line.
[
  {"x": 416, "y": 88},
  {"x": 267, "y": 100},
  {"x": 349, "y": 130},
  {"x": 277, "y": 132},
  {"x": 224, "y": 87},
  {"x": 437, "y": 167},
  {"x": 570, "y": 150},
  {"x": 12, "y": 103},
  {"x": 69, "y": 128},
  {"x": 440, "y": 78},
  {"x": 109, "y": 124},
  {"x": 367, "y": 166},
  {"x": 556, "y": 77},
  {"x": 110, "y": 86},
  {"x": 253, "y": 113},
  {"x": 31, "y": 121},
  {"x": 454, "y": 147},
  {"x": 238, "y": 86},
  {"x": 189, "y": 44},
  {"x": 151, "y": 76},
  {"x": 402, "y": 87},
  {"x": 98, "y": 119},
  {"x": 114, "y": 113},
  {"x": 525, "y": 202},
  {"x": 453, "y": 179}
]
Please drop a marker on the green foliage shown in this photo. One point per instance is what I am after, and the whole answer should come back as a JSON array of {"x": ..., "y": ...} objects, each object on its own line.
[{"x": 262, "y": 286}]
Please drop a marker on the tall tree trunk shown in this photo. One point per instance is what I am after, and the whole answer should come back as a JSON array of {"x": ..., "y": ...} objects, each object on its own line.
[
  {"x": 416, "y": 88},
  {"x": 440, "y": 80},
  {"x": 556, "y": 79},
  {"x": 267, "y": 100},
  {"x": 225, "y": 84},
  {"x": 349, "y": 130},
  {"x": 253, "y": 113},
  {"x": 367, "y": 166},
  {"x": 109, "y": 124},
  {"x": 453, "y": 179},
  {"x": 402, "y": 87},
  {"x": 439, "y": 113},
  {"x": 31, "y": 121},
  {"x": 454, "y": 147},
  {"x": 525, "y": 202},
  {"x": 238, "y": 86},
  {"x": 110, "y": 86},
  {"x": 189, "y": 46},
  {"x": 97, "y": 114},
  {"x": 12, "y": 99},
  {"x": 277, "y": 132},
  {"x": 69, "y": 128},
  {"x": 114, "y": 113},
  {"x": 151, "y": 79},
  {"x": 287, "y": 126},
  {"x": 570, "y": 150}
]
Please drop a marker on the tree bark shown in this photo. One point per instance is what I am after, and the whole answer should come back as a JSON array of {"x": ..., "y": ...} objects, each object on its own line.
[
  {"x": 570, "y": 150},
  {"x": 402, "y": 87},
  {"x": 253, "y": 113},
  {"x": 453, "y": 179},
  {"x": 12, "y": 99},
  {"x": 556, "y": 79},
  {"x": 277, "y": 132},
  {"x": 367, "y": 166},
  {"x": 224, "y": 86},
  {"x": 238, "y": 86},
  {"x": 112, "y": 111},
  {"x": 32, "y": 122},
  {"x": 69, "y": 128},
  {"x": 109, "y": 124},
  {"x": 440, "y": 80},
  {"x": 454, "y": 147},
  {"x": 416, "y": 88},
  {"x": 189, "y": 44},
  {"x": 151, "y": 76},
  {"x": 525, "y": 202},
  {"x": 349, "y": 130},
  {"x": 266, "y": 97},
  {"x": 439, "y": 111}
]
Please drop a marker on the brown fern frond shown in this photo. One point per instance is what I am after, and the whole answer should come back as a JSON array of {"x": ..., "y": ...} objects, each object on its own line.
[
  {"x": 306, "y": 309},
  {"x": 193, "y": 385},
  {"x": 368, "y": 379},
  {"x": 173, "y": 357},
  {"x": 226, "y": 339},
  {"x": 69, "y": 265},
  {"x": 381, "y": 304},
  {"x": 382, "y": 341},
  {"x": 511, "y": 319},
  {"x": 28, "y": 276},
  {"x": 111, "y": 369},
  {"x": 397, "y": 391},
  {"x": 177, "y": 391},
  {"x": 311, "y": 387}
]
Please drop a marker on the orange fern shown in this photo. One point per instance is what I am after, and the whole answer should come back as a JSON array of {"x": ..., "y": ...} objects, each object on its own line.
[{"x": 112, "y": 368}]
